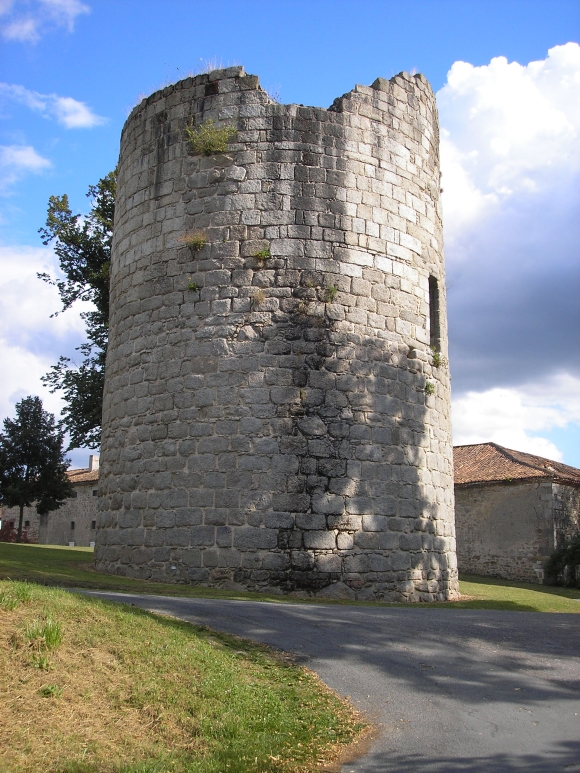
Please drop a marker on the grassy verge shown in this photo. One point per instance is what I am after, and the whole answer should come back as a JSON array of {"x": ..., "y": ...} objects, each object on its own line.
[
  {"x": 72, "y": 567},
  {"x": 90, "y": 686},
  {"x": 489, "y": 593}
]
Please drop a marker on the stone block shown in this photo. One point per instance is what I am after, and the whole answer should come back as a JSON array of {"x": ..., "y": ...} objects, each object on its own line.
[
  {"x": 320, "y": 540},
  {"x": 250, "y": 538},
  {"x": 202, "y": 536},
  {"x": 329, "y": 504}
]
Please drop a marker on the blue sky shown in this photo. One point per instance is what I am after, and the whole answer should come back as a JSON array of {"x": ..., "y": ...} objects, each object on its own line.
[{"x": 71, "y": 71}]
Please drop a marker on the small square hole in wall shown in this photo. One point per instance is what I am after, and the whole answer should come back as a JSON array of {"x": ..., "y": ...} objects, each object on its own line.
[
  {"x": 72, "y": 524},
  {"x": 95, "y": 492},
  {"x": 93, "y": 524},
  {"x": 74, "y": 495}
]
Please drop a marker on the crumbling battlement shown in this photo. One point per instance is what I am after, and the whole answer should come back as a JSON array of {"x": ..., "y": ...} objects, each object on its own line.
[{"x": 274, "y": 415}]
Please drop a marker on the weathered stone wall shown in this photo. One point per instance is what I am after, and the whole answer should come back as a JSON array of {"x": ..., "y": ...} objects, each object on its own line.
[
  {"x": 566, "y": 503},
  {"x": 284, "y": 426},
  {"x": 55, "y": 527},
  {"x": 505, "y": 529}
]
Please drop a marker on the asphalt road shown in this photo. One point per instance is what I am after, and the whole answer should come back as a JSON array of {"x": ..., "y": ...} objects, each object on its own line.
[{"x": 450, "y": 689}]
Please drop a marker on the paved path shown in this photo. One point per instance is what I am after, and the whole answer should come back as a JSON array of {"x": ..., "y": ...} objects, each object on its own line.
[{"x": 451, "y": 689}]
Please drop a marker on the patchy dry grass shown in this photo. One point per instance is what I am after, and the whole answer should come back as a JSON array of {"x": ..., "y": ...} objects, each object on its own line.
[{"x": 125, "y": 691}]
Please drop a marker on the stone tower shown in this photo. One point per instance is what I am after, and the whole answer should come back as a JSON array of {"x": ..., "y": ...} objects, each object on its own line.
[{"x": 276, "y": 411}]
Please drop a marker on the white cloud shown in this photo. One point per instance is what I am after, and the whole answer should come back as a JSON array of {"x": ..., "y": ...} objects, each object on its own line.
[
  {"x": 508, "y": 129},
  {"x": 69, "y": 112},
  {"x": 510, "y": 157},
  {"x": 28, "y": 22},
  {"x": 31, "y": 341},
  {"x": 27, "y": 303},
  {"x": 21, "y": 373},
  {"x": 17, "y": 160},
  {"x": 511, "y": 179},
  {"x": 512, "y": 417}
]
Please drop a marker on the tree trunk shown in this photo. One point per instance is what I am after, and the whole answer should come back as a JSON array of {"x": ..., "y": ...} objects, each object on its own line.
[{"x": 19, "y": 535}]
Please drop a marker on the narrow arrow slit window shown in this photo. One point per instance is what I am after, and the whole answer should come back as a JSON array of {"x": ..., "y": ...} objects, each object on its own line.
[{"x": 434, "y": 316}]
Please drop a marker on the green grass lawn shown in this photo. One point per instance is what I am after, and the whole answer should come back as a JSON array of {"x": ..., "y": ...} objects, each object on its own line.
[
  {"x": 90, "y": 686},
  {"x": 72, "y": 567}
]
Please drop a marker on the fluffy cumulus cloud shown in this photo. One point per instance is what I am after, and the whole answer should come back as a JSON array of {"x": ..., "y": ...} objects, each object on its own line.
[
  {"x": 28, "y": 20},
  {"x": 30, "y": 340},
  {"x": 16, "y": 161},
  {"x": 516, "y": 417},
  {"x": 69, "y": 112},
  {"x": 511, "y": 178}
]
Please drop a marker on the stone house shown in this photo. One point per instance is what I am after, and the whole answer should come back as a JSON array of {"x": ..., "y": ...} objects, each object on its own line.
[
  {"x": 75, "y": 522},
  {"x": 512, "y": 510}
]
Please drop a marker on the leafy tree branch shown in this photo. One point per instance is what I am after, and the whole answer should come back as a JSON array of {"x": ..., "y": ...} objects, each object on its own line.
[{"x": 83, "y": 247}]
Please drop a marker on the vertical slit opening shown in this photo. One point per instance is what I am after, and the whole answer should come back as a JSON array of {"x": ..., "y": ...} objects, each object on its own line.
[{"x": 434, "y": 316}]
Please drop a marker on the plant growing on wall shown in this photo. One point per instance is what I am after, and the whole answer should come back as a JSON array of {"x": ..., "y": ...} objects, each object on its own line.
[
  {"x": 439, "y": 361},
  {"x": 208, "y": 139},
  {"x": 195, "y": 240},
  {"x": 262, "y": 256},
  {"x": 330, "y": 293}
]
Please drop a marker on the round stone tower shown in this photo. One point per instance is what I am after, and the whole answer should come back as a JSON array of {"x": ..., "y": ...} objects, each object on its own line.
[{"x": 276, "y": 410}]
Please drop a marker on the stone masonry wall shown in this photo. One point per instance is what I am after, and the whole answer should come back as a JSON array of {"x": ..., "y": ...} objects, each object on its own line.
[
  {"x": 280, "y": 423},
  {"x": 505, "y": 529},
  {"x": 56, "y": 528}
]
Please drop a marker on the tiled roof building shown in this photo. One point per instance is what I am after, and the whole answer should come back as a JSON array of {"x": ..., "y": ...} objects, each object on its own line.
[{"x": 511, "y": 510}]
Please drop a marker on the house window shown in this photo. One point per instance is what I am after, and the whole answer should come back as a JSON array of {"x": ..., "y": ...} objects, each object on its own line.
[
  {"x": 434, "y": 315},
  {"x": 93, "y": 524},
  {"x": 27, "y": 524},
  {"x": 74, "y": 495},
  {"x": 72, "y": 525},
  {"x": 95, "y": 492}
]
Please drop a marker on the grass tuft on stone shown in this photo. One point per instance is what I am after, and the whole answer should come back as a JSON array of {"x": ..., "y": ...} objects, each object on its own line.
[
  {"x": 131, "y": 691},
  {"x": 209, "y": 139}
]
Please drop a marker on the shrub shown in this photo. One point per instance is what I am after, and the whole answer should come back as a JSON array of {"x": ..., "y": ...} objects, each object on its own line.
[
  {"x": 8, "y": 534},
  {"x": 563, "y": 566},
  {"x": 429, "y": 388},
  {"x": 208, "y": 139}
]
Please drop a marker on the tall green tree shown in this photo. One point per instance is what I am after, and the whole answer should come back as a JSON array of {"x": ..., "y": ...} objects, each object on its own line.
[
  {"x": 32, "y": 463},
  {"x": 83, "y": 247}
]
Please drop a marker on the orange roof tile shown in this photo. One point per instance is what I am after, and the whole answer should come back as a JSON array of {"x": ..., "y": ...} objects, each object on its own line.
[
  {"x": 83, "y": 476},
  {"x": 487, "y": 462}
]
